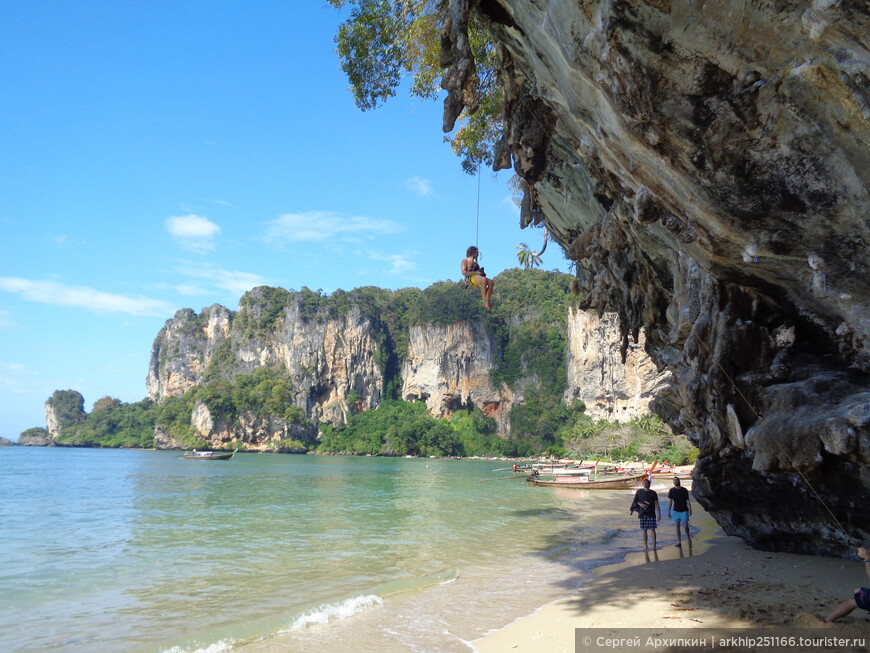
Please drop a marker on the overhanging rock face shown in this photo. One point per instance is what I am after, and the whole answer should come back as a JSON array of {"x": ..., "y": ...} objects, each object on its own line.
[{"x": 706, "y": 165}]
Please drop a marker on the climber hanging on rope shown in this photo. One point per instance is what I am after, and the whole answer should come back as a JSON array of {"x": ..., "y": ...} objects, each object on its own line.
[{"x": 476, "y": 276}]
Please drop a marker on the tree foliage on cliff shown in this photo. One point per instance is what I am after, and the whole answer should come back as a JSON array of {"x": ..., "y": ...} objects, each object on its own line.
[
  {"x": 401, "y": 428},
  {"x": 536, "y": 303},
  {"x": 382, "y": 41},
  {"x": 68, "y": 407},
  {"x": 113, "y": 423},
  {"x": 264, "y": 392}
]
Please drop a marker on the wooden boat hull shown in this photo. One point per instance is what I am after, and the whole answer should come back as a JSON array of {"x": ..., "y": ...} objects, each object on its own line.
[
  {"x": 666, "y": 476},
  {"x": 580, "y": 484},
  {"x": 573, "y": 472}
]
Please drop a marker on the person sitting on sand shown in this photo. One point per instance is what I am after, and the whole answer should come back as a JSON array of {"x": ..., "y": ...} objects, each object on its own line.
[
  {"x": 646, "y": 503},
  {"x": 476, "y": 276},
  {"x": 680, "y": 509},
  {"x": 861, "y": 598}
]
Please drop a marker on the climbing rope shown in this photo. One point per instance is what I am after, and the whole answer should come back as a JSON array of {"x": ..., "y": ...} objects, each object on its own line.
[{"x": 477, "y": 222}]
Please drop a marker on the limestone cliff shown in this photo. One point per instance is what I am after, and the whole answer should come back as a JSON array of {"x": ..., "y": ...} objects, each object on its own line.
[
  {"x": 340, "y": 362},
  {"x": 706, "y": 165},
  {"x": 64, "y": 408},
  {"x": 611, "y": 388},
  {"x": 448, "y": 368},
  {"x": 186, "y": 345},
  {"x": 326, "y": 360}
]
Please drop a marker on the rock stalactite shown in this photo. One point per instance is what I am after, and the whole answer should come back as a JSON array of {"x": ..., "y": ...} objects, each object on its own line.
[{"x": 706, "y": 166}]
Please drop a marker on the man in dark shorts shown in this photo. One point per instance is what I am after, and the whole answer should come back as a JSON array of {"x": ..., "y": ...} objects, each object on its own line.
[
  {"x": 861, "y": 598},
  {"x": 646, "y": 503},
  {"x": 680, "y": 509}
]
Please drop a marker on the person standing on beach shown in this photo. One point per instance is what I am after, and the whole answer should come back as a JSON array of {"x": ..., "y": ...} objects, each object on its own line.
[
  {"x": 861, "y": 598},
  {"x": 646, "y": 503},
  {"x": 680, "y": 509}
]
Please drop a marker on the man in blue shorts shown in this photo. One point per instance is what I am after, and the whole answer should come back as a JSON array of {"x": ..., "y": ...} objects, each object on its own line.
[
  {"x": 680, "y": 509},
  {"x": 862, "y": 594}
]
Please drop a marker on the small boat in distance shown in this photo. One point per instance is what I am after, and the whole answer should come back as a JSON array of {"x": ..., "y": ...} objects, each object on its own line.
[
  {"x": 614, "y": 482},
  {"x": 607, "y": 481},
  {"x": 559, "y": 468},
  {"x": 208, "y": 455},
  {"x": 683, "y": 472}
]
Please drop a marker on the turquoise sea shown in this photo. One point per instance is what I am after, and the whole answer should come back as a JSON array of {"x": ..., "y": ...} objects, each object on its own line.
[{"x": 142, "y": 551}]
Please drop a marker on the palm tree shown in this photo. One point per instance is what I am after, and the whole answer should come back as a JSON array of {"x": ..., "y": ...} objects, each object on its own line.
[{"x": 528, "y": 258}]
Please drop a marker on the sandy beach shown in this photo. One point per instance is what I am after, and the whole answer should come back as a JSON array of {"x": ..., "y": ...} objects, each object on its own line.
[{"x": 719, "y": 582}]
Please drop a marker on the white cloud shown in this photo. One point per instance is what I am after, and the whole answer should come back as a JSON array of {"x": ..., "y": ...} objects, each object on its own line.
[
  {"x": 62, "y": 240},
  {"x": 58, "y": 294},
  {"x": 189, "y": 290},
  {"x": 193, "y": 232},
  {"x": 224, "y": 203},
  {"x": 15, "y": 378},
  {"x": 420, "y": 186},
  {"x": 186, "y": 289},
  {"x": 231, "y": 280},
  {"x": 319, "y": 226},
  {"x": 399, "y": 263}
]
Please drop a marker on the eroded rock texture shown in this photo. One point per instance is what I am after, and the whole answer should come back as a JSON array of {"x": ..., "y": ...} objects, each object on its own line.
[
  {"x": 706, "y": 165},
  {"x": 340, "y": 364}
]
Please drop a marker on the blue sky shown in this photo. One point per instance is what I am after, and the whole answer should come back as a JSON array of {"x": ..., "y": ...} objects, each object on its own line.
[{"x": 161, "y": 155}]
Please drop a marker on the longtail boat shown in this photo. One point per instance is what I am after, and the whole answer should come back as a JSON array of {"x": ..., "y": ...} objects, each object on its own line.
[
  {"x": 597, "y": 482},
  {"x": 208, "y": 455},
  {"x": 683, "y": 472},
  {"x": 558, "y": 468},
  {"x": 585, "y": 483}
]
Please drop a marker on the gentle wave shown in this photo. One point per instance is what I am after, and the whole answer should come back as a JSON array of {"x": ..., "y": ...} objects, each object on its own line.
[
  {"x": 217, "y": 647},
  {"x": 335, "y": 611},
  {"x": 416, "y": 582}
]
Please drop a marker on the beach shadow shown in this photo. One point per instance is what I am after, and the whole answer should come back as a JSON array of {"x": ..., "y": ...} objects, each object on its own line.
[
  {"x": 716, "y": 575},
  {"x": 598, "y": 532}
]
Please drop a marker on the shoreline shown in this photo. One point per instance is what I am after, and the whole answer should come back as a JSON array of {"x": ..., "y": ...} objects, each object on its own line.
[{"x": 720, "y": 582}]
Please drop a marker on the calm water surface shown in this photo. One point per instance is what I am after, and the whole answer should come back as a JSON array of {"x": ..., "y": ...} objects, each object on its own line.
[{"x": 110, "y": 550}]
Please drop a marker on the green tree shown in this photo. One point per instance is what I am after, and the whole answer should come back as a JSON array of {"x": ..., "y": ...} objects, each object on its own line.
[
  {"x": 36, "y": 432},
  {"x": 106, "y": 404},
  {"x": 646, "y": 437},
  {"x": 530, "y": 259},
  {"x": 383, "y": 40},
  {"x": 113, "y": 423},
  {"x": 395, "y": 428},
  {"x": 477, "y": 435},
  {"x": 173, "y": 416},
  {"x": 68, "y": 407}
]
